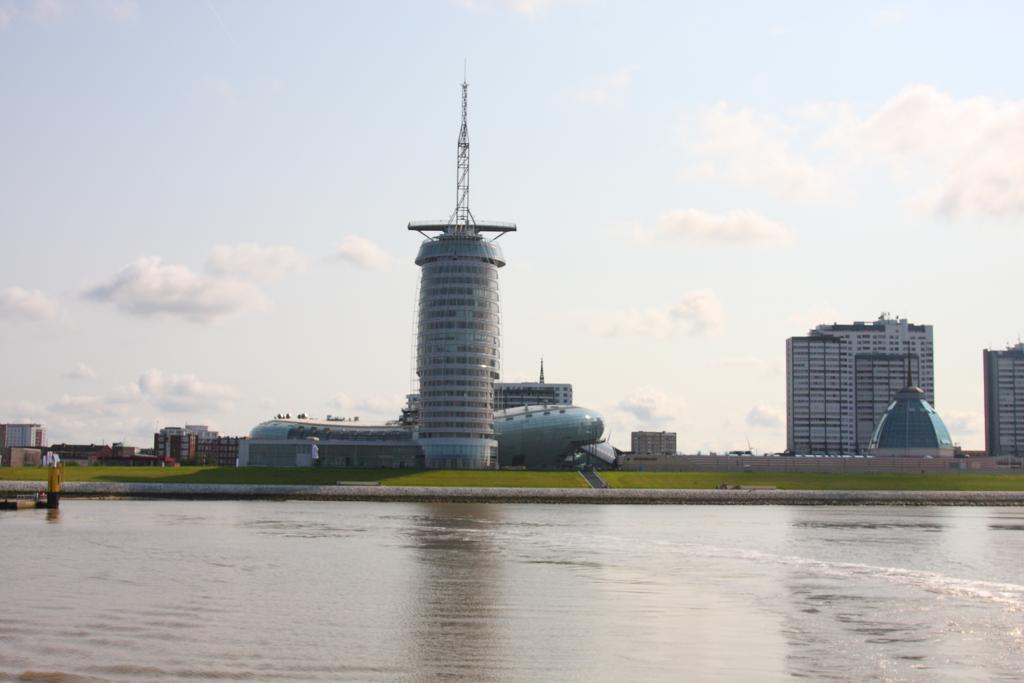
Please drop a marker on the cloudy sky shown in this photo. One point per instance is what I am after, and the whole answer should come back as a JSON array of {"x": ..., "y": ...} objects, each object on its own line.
[{"x": 203, "y": 204}]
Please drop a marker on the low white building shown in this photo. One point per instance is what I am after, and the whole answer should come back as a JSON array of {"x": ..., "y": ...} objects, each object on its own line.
[{"x": 652, "y": 443}]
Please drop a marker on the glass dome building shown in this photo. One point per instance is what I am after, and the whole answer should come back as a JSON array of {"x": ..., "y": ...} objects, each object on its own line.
[{"x": 911, "y": 427}]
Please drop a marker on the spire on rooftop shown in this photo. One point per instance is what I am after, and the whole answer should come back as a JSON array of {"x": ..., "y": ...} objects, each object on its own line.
[{"x": 462, "y": 220}]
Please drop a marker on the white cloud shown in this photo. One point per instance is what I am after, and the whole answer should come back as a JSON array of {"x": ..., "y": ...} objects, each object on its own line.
[
  {"x": 47, "y": 10},
  {"x": 120, "y": 10},
  {"x": 811, "y": 317},
  {"x": 734, "y": 227},
  {"x": 649, "y": 408},
  {"x": 607, "y": 89},
  {"x": 363, "y": 253},
  {"x": 764, "y": 416},
  {"x": 86, "y": 419},
  {"x": 647, "y": 323},
  {"x": 975, "y": 144},
  {"x": 340, "y": 401},
  {"x": 698, "y": 311},
  {"x": 381, "y": 407},
  {"x": 81, "y": 371},
  {"x": 79, "y": 405},
  {"x": 961, "y": 424},
  {"x": 754, "y": 150},
  {"x": 16, "y": 302},
  {"x": 254, "y": 262},
  {"x": 887, "y": 17},
  {"x": 743, "y": 363},
  {"x": 527, "y": 7},
  {"x": 181, "y": 393},
  {"x": 21, "y": 411},
  {"x": 7, "y": 14},
  {"x": 149, "y": 287},
  {"x": 220, "y": 91}
]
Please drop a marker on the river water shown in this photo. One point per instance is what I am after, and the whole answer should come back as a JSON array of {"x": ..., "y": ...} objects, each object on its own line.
[{"x": 172, "y": 590}]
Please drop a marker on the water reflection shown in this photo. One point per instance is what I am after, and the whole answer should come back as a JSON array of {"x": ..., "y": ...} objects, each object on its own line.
[
  {"x": 373, "y": 591},
  {"x": 53, "y": 515},
  {"x": 454, "y": 628}
]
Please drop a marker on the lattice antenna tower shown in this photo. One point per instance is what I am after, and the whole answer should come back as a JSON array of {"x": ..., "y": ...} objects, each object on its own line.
[{"x": 462, "y": 221}]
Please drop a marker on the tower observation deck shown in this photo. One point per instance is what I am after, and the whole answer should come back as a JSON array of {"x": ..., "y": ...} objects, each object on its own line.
[{"x": 458, "y": 340}]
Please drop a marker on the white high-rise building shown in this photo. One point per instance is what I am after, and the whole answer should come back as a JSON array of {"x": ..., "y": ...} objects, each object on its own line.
[
  {"x": 24, "y": 436},
  {"x": 1004, "y": 401},
  {"x": 840, "y": 379}
]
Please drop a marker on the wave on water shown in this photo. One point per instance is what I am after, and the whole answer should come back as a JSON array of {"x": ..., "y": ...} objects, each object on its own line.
[{"x": 1008, "y": 595}]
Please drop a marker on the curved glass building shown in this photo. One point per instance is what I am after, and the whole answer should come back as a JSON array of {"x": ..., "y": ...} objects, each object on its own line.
[
  {"x": 458, "y": 336},
  {"x": 543, "y": 437},
  {"x": 546, "y": 436}
]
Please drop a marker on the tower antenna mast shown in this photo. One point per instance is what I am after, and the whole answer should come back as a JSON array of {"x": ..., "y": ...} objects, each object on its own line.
[{"x": 462, "y": 221}]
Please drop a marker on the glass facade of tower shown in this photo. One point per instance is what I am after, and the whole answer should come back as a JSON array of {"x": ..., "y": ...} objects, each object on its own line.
[{"x": 458, "y": 350}]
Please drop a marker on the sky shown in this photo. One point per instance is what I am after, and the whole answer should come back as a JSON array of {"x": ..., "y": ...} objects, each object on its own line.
[{"x": 203, "y": 205}]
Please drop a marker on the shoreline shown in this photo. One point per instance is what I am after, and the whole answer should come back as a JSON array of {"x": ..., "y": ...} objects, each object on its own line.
[{"x": 442, "y": 494}]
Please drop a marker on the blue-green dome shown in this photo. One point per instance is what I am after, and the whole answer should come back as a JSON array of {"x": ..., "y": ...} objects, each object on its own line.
[{"x": 910, "y": 423}]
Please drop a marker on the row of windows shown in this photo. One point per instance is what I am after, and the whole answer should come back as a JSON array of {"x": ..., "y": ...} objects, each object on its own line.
[
  {"x": 480, "y": 279},
  {"x": 426, "y": 394},
  {"x": 461, "y": 450},
  {"x": 457, "y": 372},
  {"x": 449, "y": 285},
  {"x": 484, "y": 415},
  {"x": 456, "y": 435},
  {"x": 436, "y": 267},
  {"x": 451, "y": 382},
  {"x": 481, "y": 405},
  {"x": 428, "y": 293},
  {"x": 486, "y": 311},
  {"x": 460, "y": 325},
  {"x": 435, "y": 362},
  {"x": 481, "y": 349},
  {"x": 439, "y": 336}
]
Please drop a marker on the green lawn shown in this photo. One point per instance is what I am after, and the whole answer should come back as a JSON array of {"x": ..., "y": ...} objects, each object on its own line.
[
  {"x": 818, "y": 482},
  {"x": 518, "y": 479},
  {"x": 305, "y": 476}
]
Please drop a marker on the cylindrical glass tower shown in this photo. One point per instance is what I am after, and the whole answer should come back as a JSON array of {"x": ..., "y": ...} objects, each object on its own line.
[
  {"x": 458, "y": 336},
  {"x": 458, "y": 350}
]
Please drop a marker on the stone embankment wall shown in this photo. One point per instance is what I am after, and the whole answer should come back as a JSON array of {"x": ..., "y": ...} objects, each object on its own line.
[
  {"x": 732, "y": 463},
  {"x": 520, "y": 495}
]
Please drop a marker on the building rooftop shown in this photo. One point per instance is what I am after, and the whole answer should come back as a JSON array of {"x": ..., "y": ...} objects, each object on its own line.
[{"x": 303, "y": 428}]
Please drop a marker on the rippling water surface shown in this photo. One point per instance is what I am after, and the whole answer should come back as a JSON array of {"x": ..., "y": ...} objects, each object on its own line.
[{"x": 170, "y": 590}]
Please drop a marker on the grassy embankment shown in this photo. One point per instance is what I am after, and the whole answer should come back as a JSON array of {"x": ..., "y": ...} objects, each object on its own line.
[
  {"x": 810, "y": 481},
  {"x": 305, "y": 476},
  {"x": 517, "y": 479}
]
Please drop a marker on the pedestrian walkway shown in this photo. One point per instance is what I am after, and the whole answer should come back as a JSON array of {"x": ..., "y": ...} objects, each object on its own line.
[{"x": 594, "y": 479}]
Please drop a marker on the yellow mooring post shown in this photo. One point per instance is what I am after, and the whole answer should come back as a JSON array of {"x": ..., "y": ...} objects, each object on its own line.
[{"x": 54, "y": 482}]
